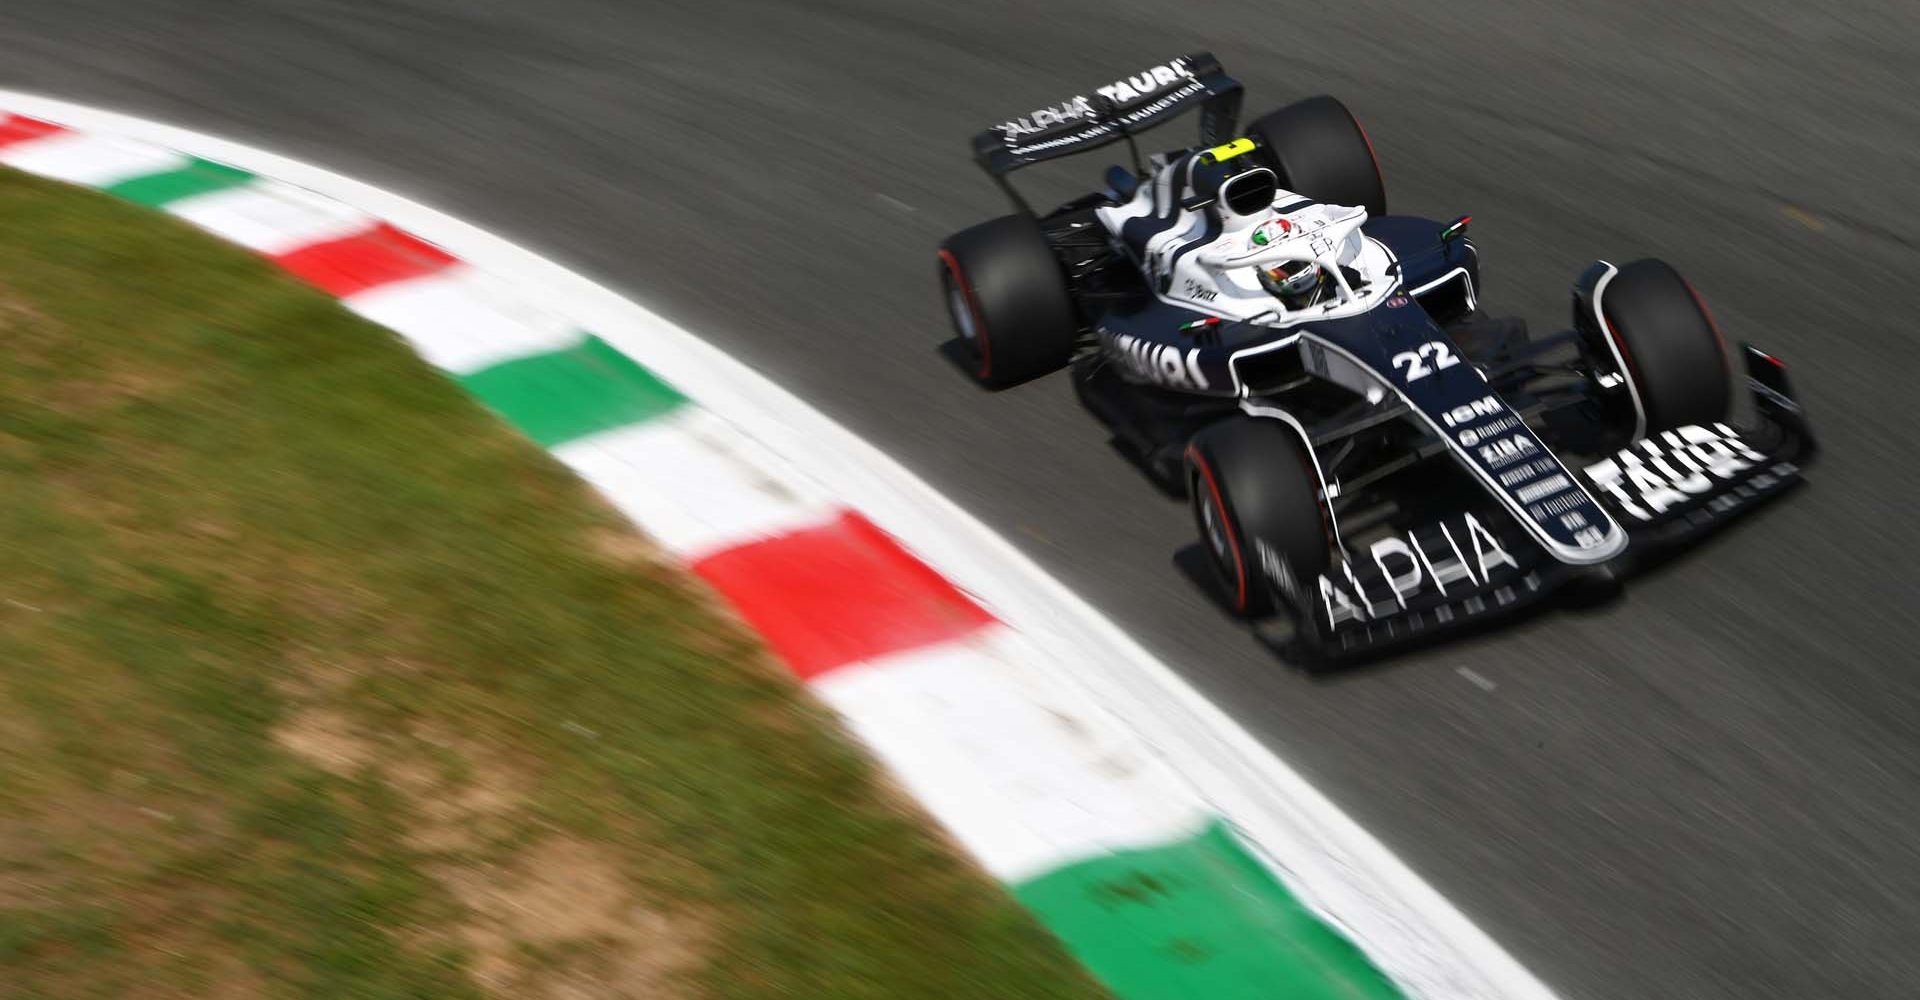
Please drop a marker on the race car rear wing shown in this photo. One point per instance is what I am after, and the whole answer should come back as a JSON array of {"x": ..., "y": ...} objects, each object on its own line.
[{"x": 1112, "y": 113}]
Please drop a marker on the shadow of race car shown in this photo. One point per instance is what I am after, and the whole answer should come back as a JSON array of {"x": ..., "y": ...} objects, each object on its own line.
[{"x": 1370, "y": 456}]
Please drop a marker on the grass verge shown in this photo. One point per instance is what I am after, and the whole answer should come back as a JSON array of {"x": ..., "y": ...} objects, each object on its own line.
[{"x": 317, "y": 681}]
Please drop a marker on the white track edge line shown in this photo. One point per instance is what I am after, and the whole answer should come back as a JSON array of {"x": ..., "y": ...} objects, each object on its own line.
[{"x": 1257, "y": 791}]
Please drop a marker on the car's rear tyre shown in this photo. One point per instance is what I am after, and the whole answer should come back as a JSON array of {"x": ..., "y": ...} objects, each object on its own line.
[
  {"x": 1256, "y": 503},
  {"x": 1008, "y": 300},
  {"x": 1320, "y": 151},
  {"x": 1659, "y": 331}
]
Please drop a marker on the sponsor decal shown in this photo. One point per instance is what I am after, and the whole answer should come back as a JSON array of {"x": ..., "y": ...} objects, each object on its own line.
[
  {"x": 1042, "y": 119},
  {"x": 1544, "y": 488},
  {"x": 1531, "y": 477},
  {"x": 1587, "y": 538},
  {"x": 1500, "y": 453},
  {"x": 1134, "y": 87},
  {"x": 1198, "y": 290},
  {"x": 1402, "y": 569},
  {"x": 1161, "y": 363},
  {"x": 1526, "y": 473},
  {"x": 1485, "y": 406},
  {"x": 1123, "y": 91},
  {"x": 1480, "y": 409},
  {"x": 1474, "y": 435},
  {"x": 1398, "y": 302},
  {"x": 1657, "y": 474},
  {"x": 1565, "y": 507},
  {"x": 1140, "y": 114},
  {"x": 1495, "y": 438},
  {"x": 1078, "y": 137}
]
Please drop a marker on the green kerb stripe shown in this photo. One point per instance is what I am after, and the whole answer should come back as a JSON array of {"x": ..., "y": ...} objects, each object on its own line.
[
  {"x": 1198, "y": 918},
  {"x": 197, "y": 177},
  {"x": 560, "y": 397}
]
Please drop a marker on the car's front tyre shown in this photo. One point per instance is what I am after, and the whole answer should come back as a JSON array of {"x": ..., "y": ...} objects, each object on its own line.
[
  {"x": 1653, "y": 328},
  {"x": 1257, "y": 505}
]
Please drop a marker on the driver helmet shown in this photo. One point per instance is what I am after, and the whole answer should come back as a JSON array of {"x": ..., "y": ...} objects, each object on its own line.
[{"x": 1296, "y": 283}]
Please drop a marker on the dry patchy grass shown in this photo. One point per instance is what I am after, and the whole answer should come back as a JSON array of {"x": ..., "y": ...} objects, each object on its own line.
[{"x": 315, "y": 681}]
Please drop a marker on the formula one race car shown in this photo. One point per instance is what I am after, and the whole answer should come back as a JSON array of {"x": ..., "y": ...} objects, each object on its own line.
[{"x": 1369, "y": 456}]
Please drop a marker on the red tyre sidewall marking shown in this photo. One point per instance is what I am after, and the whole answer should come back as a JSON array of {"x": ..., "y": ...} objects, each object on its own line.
[
  {"x": 1719, "y": 340},
  {"x": 979, "y": 323},
  {"x": 1633, "y": 370},
  {"x": 1375, "y": 157},
  {"x": 1326, "y": 513},
  {"x": 1226, "y": 523}
]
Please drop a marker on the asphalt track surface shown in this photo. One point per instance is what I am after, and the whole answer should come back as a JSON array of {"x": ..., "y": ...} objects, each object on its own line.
[{"x": 1704, "y": 788}]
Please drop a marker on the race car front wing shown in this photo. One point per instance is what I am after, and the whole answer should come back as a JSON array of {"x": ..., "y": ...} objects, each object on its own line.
[{"x": 1667, "y": 490}]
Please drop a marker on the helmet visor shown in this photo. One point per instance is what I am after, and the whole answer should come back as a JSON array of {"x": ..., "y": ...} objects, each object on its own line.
[{"x": 1290, "y": 278}]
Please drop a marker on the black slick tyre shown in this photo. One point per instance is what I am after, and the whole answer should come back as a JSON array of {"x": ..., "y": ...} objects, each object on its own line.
[
  {"x": 1008, "y": 300},
  {"x": 1256, "y": 504},
  {"x": 1320, "y": 151},
  {"x": 1660, "y": 333}
]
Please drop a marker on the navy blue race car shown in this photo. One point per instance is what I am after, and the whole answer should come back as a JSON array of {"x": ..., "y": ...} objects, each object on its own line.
[{"x": 1369, "y": 455}]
